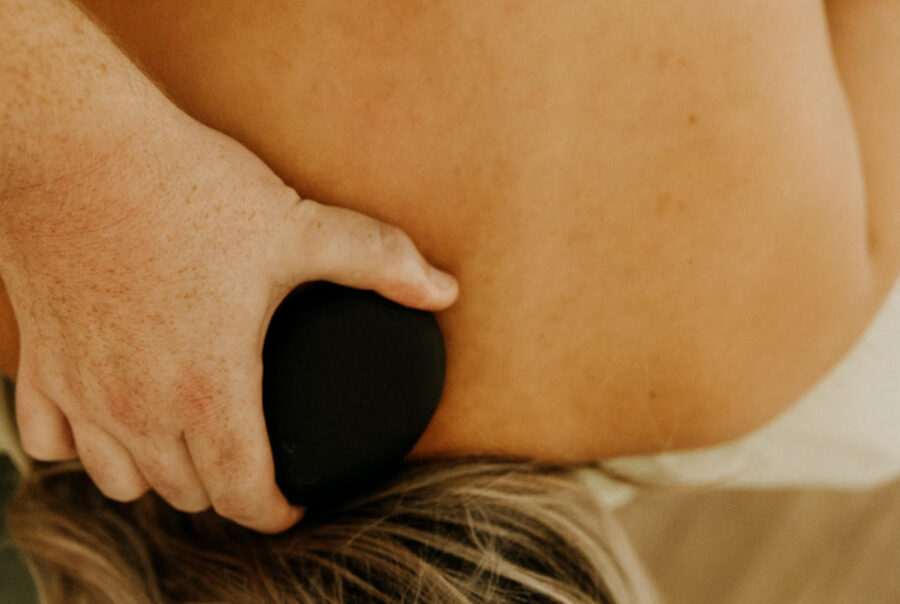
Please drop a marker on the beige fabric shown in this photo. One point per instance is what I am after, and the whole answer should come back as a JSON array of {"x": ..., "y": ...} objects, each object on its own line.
[{"x": 803, "y": 546}]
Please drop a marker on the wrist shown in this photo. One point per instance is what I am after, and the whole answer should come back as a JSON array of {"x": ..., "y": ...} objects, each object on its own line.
[
  {"x": 68, "y": 101},
  {"x": 78, "y": 167},
  {"x": 56, "y": 147}
]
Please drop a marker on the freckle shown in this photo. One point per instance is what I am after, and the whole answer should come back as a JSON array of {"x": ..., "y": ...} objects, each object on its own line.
[
  {"x": 692, "y": 119},
  {"x": 690, "y": 261},
  {"x": 652, "y": 394},
  {"x": 318, "y": 225}
]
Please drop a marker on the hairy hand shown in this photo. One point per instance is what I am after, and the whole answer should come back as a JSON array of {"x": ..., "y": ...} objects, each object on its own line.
[{"x": 143, "y": 287}]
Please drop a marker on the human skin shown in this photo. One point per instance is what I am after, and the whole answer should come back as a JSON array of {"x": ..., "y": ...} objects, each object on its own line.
[
  {"x": 144, "y": 254},
  {"x": 661, "y": 245},
  {"x": 9, "y": 336},
  {"x": 657, "y": 211}
]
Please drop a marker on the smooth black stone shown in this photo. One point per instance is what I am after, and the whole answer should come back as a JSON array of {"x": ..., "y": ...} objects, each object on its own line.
[{"x": 350, "y": 382}]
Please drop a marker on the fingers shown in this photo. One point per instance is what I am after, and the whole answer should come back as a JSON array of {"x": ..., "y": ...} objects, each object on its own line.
[
  {"x": 166, "y": 467},
  {"x": 43, "y": 428},
  {"x": 109, "y": 464},
  {"x": 358, "y": 251},
  {"x": 234, "y": 462},
  {"x": 169, "y": 470}
]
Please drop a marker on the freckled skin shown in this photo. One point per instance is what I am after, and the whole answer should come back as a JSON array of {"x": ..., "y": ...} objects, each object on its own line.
[
  {"x": 154, "y": 327},
  {"x": 631, "y": 243},
  {"x": 143, "y": 254},
  {"x": 630, "y": 193}
]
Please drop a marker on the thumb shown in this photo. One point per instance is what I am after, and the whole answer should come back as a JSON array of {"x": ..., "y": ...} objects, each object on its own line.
[{"x": 355, "y": 250}]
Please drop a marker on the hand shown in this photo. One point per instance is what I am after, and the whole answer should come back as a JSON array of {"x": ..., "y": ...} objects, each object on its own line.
[{"x": 143, "y": 288}]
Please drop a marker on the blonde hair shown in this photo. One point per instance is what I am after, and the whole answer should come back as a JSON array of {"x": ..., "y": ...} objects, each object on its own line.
[{"x": 463, "y": 531}]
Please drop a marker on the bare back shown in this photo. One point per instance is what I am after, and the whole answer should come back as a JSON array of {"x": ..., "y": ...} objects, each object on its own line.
[{"x": 656, "y": 210}]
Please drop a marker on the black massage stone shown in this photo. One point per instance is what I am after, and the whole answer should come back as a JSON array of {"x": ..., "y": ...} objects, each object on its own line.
[{"x": 350, "y": 381}]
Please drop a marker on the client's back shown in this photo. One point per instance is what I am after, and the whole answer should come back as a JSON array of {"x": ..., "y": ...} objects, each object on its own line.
[{"x": 643, "y": 201}]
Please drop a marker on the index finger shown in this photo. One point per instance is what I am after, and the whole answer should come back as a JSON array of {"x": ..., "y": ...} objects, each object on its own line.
[{"x": 233, "y": 458}]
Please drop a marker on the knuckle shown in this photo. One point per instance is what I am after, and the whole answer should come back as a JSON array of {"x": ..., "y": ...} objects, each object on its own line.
[
  {"x": 203, "y": 406},
  {"x": 123, "y": 406},
  {"x": 307, "y": 211},
  {"x": 394, "y": 246},
  {"x": 198, "y": 398}
]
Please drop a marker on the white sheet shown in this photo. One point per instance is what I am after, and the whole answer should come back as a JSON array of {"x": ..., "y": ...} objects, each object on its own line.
[{"x": 844, "y": 433}]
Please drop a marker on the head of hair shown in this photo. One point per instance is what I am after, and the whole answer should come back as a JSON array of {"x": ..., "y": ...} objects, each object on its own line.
[{"x": 462, "y": 531}]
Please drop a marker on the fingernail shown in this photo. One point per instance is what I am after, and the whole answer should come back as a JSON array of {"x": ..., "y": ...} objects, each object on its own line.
[{"x": 441, "y": 279}]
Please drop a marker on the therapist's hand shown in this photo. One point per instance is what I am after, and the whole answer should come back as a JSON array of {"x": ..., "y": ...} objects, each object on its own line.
[{"x": 143, "y": 286}]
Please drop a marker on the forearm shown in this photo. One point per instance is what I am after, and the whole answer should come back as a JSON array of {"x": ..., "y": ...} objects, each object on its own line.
[{"x": 69, "y": 98}]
